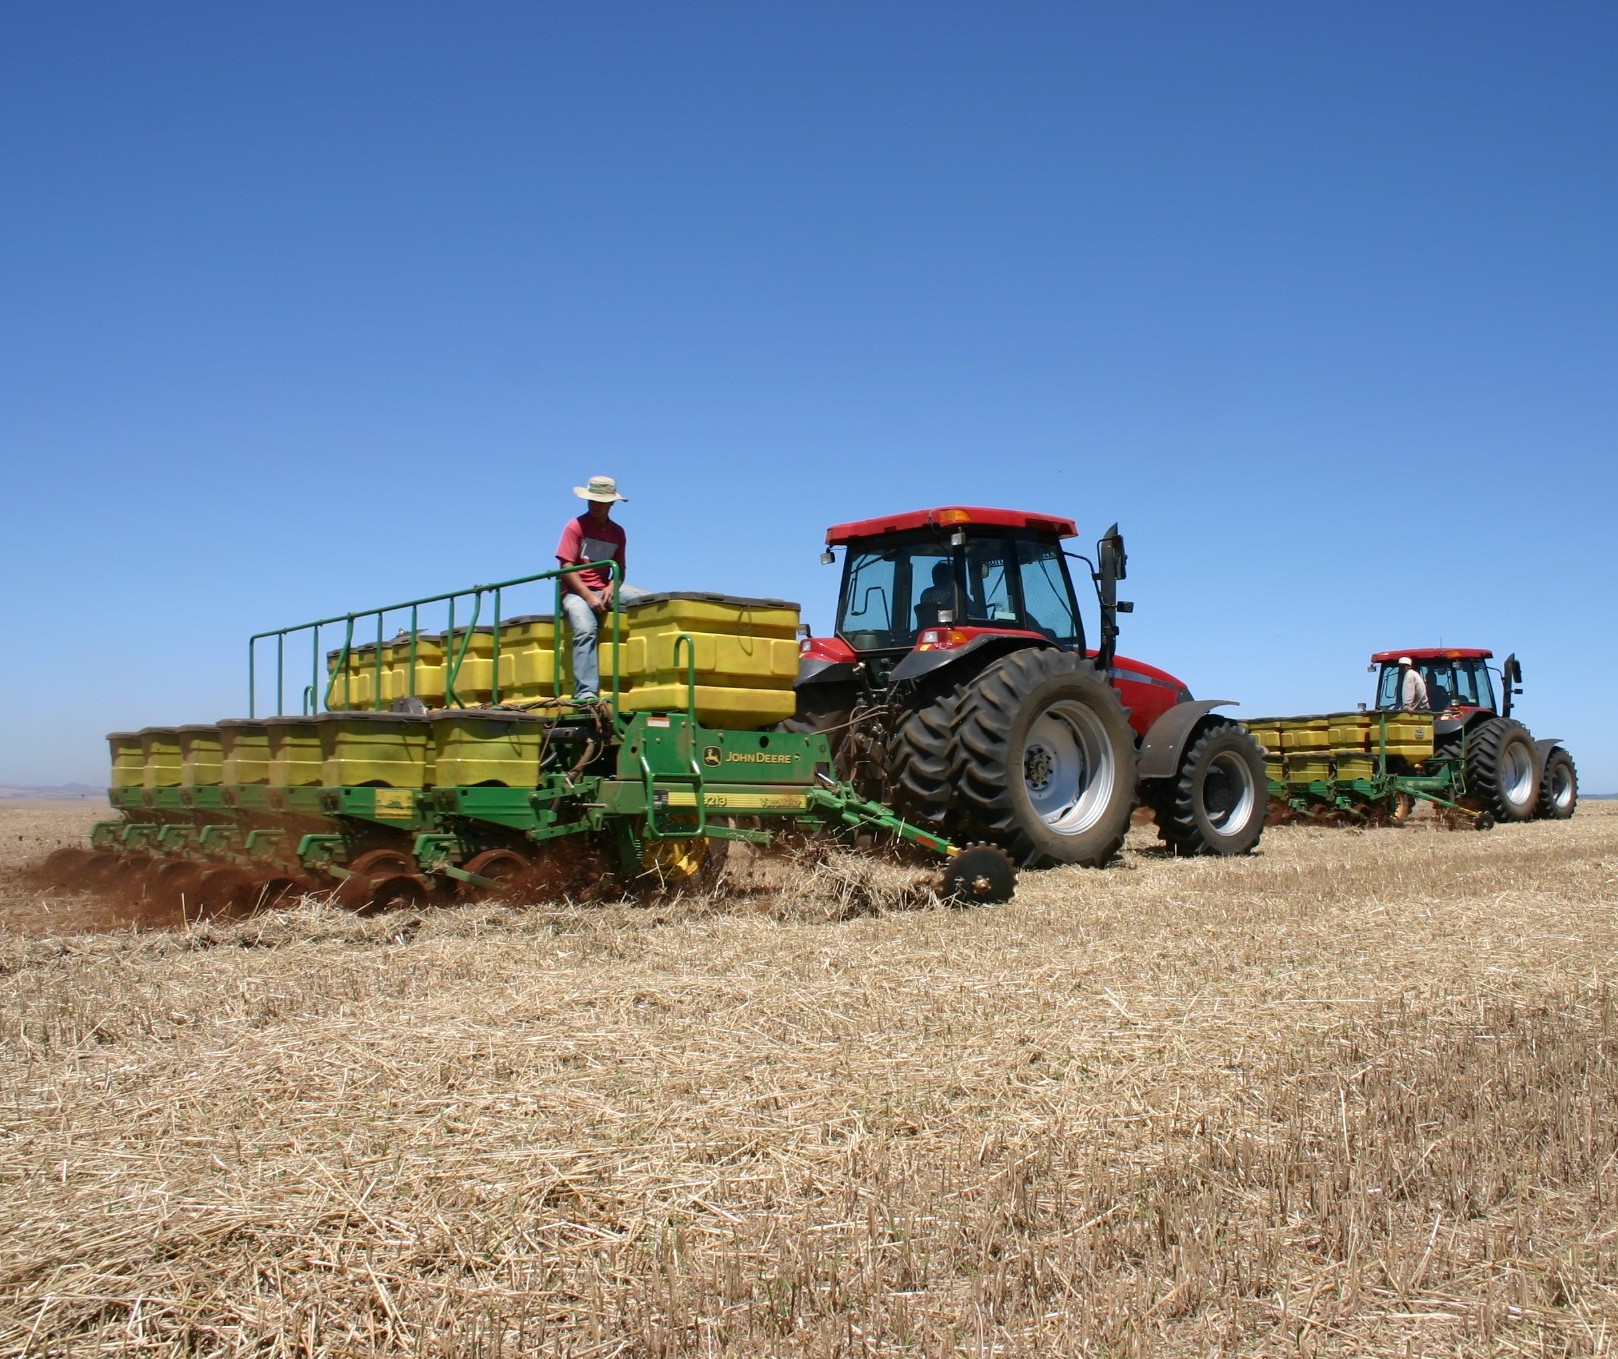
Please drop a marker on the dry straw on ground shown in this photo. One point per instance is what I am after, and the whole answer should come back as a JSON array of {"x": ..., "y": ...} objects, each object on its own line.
[{"x": 1354, "y": 1095}]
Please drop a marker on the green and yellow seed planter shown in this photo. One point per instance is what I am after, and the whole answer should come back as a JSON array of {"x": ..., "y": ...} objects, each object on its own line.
[{"x": 432, "y": 762}]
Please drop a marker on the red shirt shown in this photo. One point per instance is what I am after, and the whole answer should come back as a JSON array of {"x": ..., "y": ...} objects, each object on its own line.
[{"x": 584, "y": 540}]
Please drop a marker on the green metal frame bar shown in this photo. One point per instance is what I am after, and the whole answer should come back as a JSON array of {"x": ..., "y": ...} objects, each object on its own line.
[
  {"x": 454, "y": 657},
  {"x": 690, "y": 644}
]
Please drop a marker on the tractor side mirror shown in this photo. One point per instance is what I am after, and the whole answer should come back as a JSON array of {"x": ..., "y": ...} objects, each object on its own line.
[
  {"x": 958, "y": 538},
  {"x": 1511, "y": 677},
  {"x": 1125, "y": 606},
  {"x": 1110, "y": 553},
  {"x": 827, "y": 558}
]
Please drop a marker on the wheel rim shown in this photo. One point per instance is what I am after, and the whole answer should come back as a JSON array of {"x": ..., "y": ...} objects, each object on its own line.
[
  {"x": 503, "y": 867},
  {"x": 1068, "y": 768},
  {"x": 1516, "y": 774},
  {"x": 1562, "y": 787},
  {"x": 498, "y": 865},
  {"x": 1228, "y": 793},
  {"x": 380, "y": 879}
]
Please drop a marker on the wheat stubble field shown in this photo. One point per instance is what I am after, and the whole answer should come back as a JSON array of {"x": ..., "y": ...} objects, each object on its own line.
[{"x": 1353, "y": 1095}]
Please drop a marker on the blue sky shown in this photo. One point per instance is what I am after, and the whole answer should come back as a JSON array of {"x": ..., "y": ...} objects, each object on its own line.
[{"x": 306, "y": 308}]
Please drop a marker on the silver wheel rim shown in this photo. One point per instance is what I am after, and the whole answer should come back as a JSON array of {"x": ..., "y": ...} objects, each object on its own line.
[
  {"x": 1516, "y": 774},
  {"x": 1562, "y": 788},
  {"x": 1068, "y": 768},
  {"x": 1229, "y": 765}
]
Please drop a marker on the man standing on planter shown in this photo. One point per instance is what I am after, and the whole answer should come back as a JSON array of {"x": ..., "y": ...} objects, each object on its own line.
[{"x": 587, "y": 595}]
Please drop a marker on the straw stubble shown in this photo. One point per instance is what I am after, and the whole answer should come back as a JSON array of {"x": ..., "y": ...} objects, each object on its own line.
[{"x": 1352, "y": 1095}]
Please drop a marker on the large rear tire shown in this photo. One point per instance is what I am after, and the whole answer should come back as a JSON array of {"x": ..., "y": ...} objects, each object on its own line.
[
  {"x": 823, "y": 709},
  {"x": 1500, "y": 769},
  {"x": 1558, "y": 786},
  {"x": 826, "y": 710},
  {"x": 1045, "y": 759},
  {"x": 1217, "y": 801},
  {"x": 922, "y": 755}
]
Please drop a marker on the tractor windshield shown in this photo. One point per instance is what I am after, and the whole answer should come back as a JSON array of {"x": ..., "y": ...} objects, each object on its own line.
[
  {"x": 911, "y": 582},
  {"x": 1462, "y": 683}
]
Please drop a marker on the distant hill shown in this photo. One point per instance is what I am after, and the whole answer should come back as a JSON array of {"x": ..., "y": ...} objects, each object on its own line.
[{"x": 58, "y": 790}]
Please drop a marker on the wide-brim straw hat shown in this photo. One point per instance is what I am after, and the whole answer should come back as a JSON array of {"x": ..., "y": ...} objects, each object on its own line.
[{"x": 600, "y": 488}]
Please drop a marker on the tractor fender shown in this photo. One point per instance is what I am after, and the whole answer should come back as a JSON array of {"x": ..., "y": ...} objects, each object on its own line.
[
  {"x": 1166, "y": 738},
  {"x": 1542, "y": 751},
  {"x": 818, "y": 670},
  {"x": 990, "y": 645}
]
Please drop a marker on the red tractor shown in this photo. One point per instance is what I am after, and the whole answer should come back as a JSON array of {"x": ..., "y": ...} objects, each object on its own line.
[
  {"x": 959, "y": 688},
  {"x": 1508, "y": 773}
]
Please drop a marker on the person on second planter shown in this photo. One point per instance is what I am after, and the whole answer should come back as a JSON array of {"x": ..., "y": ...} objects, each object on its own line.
[{"x": 587, "y": 596}]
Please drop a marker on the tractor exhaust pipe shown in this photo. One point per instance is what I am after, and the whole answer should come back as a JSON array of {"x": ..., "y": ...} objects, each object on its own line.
[{"x": 1113, "y": 567}]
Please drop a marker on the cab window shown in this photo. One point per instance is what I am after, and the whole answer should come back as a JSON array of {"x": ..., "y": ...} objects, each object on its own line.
[
  {"x": 866, "y": 619},
  {"x": 988, "y": 584},
  {"x": 1387, "y": 691},
  {"x": 1047, "y": 596},
  {"x": 1470, "y": 684}
]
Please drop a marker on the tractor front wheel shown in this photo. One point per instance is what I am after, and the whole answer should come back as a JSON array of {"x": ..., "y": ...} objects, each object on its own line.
[
  {"x": 1216, "y": 803},
  {"x": 1500, "y": 772},
  {"x": 1045, "y": 759},
  {"x": 1558, "y": 786}
]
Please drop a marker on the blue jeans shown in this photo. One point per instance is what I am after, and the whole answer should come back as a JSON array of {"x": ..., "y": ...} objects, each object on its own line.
[{"x": 584, "y": 623}]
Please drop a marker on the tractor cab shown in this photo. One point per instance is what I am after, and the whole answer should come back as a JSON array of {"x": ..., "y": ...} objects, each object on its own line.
[
  {"x": 1459, "y": 680},
  {"x": 953, "y": 589},
  {"x": 942, "y": 578}
]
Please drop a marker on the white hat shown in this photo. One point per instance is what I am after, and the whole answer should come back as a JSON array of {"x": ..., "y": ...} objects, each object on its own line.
[
  {"x": 1405, "y": 660},
  {"x": 600, "y": 488}
]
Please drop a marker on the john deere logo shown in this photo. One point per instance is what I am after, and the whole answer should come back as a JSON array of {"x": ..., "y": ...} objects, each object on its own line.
[{"x": 711, "y": 756}]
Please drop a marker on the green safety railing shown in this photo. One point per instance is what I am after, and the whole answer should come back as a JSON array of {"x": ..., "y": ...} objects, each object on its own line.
[{"x": 457, "y": 642}]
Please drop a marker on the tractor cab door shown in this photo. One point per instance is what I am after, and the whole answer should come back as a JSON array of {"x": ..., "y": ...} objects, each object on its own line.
[
  {"x": 893, "y": 590},
  {"x": 1473, "y": 686},
  {"x": 1021, "y": 583},
  {"x": 1047, "y": 593},
  {"x": 1387, "y": 688}
]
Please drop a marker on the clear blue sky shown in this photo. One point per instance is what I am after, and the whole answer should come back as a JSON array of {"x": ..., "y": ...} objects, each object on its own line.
[{"x": 310, "y": 307}]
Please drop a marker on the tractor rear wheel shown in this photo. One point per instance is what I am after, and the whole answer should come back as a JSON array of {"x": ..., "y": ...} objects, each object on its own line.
[
  {"x": 1216, "y": 803},
  {"x": 825, "y": 710},
  {"x": 822, "y": 709},
  {"x": 1045, "y": 759},
  {"x": 1558, "y": 786},
  {"x": 1500, "y": 771},
  {"x": 922, "y": 753}
]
